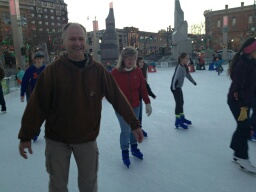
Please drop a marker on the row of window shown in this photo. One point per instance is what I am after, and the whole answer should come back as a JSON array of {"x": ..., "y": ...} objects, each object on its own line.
[
  {"x": 45, "y": 4},
  {"x": 45, "y": 23},
  {"x": 48, "y": 30},
  {"x": 41, "y": 10},
  {"x": 46, "y": 17},
  {"x": 234, "y": 21}
]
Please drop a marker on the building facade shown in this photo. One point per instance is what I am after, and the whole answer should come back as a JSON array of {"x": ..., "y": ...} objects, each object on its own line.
[
  {"x": 41, "y": 22},
  {"x": 241, "y": 25},
  {"x": 150, "y": 45}
]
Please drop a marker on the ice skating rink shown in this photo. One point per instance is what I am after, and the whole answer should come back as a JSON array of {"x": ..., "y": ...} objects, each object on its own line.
[{"x": 195, "y": 160}]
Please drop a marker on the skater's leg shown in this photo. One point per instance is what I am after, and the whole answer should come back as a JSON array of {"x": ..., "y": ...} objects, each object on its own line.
[
  {"x": 239, "y": 142},
  {"x": 125, "y": 132},
  {"x": 132, "y": 138},
  {"x": 2, "y": 101},
  {"x": 140, "y": 114},
  {"x": 86, "y": 156},
  {"x": 57, "y": 156}
]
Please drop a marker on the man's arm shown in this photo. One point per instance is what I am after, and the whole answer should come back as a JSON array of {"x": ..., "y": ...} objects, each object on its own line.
[{"x": 36, "y": 111}]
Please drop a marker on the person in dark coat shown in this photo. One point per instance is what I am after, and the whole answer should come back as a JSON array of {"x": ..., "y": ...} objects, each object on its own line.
[
  {"x": 242, "y": 71},
  {"x": 144, "y": 68},
  {"x": 2, "y": 101}
]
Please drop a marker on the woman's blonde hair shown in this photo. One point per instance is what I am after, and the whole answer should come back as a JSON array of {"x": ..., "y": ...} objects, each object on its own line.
[{"x": 126, "y": 52}]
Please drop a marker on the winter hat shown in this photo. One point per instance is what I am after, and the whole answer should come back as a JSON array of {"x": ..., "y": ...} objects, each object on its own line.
[
  {"x": 38, "y": 55},
  {"x": 250, "y": 48}
]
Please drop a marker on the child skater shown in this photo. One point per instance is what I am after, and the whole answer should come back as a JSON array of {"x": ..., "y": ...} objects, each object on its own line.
[{"x": 181, "y": 71}]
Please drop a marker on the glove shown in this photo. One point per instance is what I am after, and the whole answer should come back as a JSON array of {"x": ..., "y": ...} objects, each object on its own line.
[
  {"x": 243, "y": 114},
  {"x": 148, "y": 109}
]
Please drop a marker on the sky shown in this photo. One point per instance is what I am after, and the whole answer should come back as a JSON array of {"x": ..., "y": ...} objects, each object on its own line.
[{"x": 145, "y": 15}]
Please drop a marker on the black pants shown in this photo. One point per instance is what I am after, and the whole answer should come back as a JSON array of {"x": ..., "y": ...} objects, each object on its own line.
[
  {"x": 2, "y": 101},
  {"x": 239, "y": 142},
  {"x": 178, "y": 97}
]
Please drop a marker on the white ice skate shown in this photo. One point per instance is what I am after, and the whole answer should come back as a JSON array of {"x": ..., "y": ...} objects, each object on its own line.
[{"x": 247, "y": 165}]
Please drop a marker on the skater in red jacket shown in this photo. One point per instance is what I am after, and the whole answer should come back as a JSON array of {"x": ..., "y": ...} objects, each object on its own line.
[{"x": 132, "y": 83}]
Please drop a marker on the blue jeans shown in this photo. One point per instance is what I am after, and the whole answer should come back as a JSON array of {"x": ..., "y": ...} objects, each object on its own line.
[
  {"x": 140, "y": 114},
  {"x": 126, "y": 134}
]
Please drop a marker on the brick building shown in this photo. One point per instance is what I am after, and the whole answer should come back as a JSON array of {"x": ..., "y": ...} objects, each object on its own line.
[
  {"x": 241, "y": 24},
  {"x": 41, "y": 22}
]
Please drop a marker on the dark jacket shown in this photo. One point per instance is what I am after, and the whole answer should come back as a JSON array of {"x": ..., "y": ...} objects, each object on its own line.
[
  {"x": 70, "y": 100},
  {"x": 30, "y": 77},
  {"x": 243, "y": 82},
  {"x": 2, "y": 74}
]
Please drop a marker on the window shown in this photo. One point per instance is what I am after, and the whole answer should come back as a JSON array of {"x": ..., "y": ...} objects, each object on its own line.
[
  {"x": 57, "y": 12},
  {"x": 52, "y": 17},
  {"x": 53, "y": 30},
  {"x": 46, "y": 23},
  {"x": 40, "y": 29},
  {"x": 32, "y": 15},
  {"x": 218, "y": 23},
  {"x": 31, "y": 1},
  {"x": 5, "y": 16},
  {"x": 233, "y": 21},
  {"x": 33, "y": 22},
  {"x": 51, "y": 4},
  {"x": 45, "y": 3},
  {"x": 52, "y": 24},
  {"x": 57, "y": 5},
  {"x": 40, "y": 22},
  {"x": 45, "y": 16},
  {"x": 51, "y": 11},
  {"x": 38, "y": 3},
  {"x": 47, "y": 29},
  {"x": 45, "y": 10},
  {"x": 58, "y": 18},
  {"x": 250, "y": 19},
  {"x": 39, "y": 16},
  {"x": 39, "y": 10}
]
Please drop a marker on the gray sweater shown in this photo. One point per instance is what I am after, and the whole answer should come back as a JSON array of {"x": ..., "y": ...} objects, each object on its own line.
[{"x": 179, "y": 75}]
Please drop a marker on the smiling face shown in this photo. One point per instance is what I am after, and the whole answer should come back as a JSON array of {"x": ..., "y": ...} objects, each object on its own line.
[
  {"x": 130, "y": 62},
  {"x": 75, "y": 42}
]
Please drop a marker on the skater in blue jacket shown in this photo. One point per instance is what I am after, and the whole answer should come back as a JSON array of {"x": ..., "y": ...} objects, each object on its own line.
[
  {"x": 30, "y": 78},
  {"x": 31, "y": 75},
  {"x": 181, "y": 71}
]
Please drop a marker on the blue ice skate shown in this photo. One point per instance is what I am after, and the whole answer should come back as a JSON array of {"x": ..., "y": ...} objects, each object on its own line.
[
  {"x": 184, "y": 120},
  {"x": 136, "y": 152},
  {"x": 179, "y": 123},
  {"x": 126, "y": 158}
]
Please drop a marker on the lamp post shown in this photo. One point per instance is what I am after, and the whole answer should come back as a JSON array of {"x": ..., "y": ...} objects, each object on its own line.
[{"x": 17, "y": 32}]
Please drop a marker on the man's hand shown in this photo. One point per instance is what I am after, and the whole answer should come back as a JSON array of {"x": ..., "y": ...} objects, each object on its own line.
[
  {"x": 23, "y": 146},
  {"x": 138, "y": 134},
  {"x": 22, "y": 98}
]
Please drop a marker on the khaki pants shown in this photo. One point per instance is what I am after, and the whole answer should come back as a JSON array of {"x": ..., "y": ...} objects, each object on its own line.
[{"x": 58, "y": 160}]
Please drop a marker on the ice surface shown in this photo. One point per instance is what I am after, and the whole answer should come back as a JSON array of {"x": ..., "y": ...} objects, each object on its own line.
[{"x": 195, "y": 160}]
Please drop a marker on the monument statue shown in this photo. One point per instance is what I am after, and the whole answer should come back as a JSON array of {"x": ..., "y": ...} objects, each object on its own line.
[
  {"x": 180, "y": 41},
  {"x": 109, "y": 45}
]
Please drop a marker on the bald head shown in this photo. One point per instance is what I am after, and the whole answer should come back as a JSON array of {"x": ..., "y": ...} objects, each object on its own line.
[{"x": 68, "y": 25}]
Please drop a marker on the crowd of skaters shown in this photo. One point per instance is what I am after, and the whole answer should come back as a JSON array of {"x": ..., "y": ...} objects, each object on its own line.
[{"x": 73, "y": 128}]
